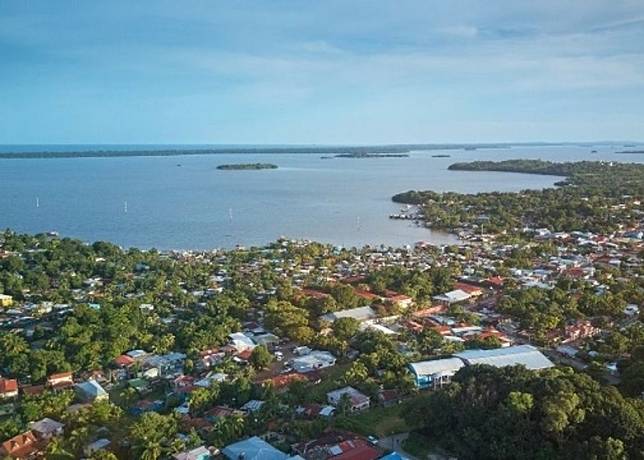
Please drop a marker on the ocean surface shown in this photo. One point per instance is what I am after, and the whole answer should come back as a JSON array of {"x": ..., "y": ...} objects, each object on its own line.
[{"x": 186, "y": 203}]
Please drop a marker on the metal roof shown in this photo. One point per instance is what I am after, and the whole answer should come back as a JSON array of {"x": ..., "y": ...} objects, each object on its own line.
[
  {"x": 526, "y": 355},
  {"x": 253, "y": 449},
  {"x": 360, "y": 314},
  {"x": 437, "y": 366}
]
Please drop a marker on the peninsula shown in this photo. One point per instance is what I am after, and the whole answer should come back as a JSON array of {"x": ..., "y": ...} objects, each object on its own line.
[
  {"x": 591, "y": 191},
  {"x": 247, "y": 166}
]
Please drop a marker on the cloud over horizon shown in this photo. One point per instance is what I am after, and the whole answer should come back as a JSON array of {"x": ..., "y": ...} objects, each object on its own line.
[{"x": 328, "y": 72}]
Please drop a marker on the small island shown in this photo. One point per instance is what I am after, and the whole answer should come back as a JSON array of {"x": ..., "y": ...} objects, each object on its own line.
[{"x": 247, "y": 166}]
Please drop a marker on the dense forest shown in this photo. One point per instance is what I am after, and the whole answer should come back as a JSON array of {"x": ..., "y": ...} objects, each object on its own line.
[{"x": 514, "y": 413}]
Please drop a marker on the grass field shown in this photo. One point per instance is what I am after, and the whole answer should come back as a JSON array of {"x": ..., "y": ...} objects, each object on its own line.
[{"x": 379, "y": 421}]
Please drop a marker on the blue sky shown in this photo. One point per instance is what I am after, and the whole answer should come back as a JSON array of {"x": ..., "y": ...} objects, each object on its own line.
[{"x": 324, "y": 72}]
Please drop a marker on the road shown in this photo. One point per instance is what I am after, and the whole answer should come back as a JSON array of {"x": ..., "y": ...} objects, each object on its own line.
[{"x": 394, "y": 442}]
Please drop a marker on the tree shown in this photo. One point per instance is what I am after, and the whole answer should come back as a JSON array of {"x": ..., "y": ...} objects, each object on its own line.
[
  {"x": 261, "y": 357},
  {"x": 151, "y": 432},
  {"x": 346, "y": 328},
  {"x": 357, "y": 373}
]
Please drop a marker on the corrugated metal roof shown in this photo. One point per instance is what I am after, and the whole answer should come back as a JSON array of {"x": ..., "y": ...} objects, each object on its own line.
[{"x": 526, "y": 355}]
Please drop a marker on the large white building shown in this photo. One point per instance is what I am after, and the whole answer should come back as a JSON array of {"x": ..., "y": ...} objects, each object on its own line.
[
  {"x": 436, "y": 373},
  {"x": 525, "y": 355}
]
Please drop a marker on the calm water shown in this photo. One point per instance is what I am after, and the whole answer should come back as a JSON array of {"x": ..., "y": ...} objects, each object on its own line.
[{"x": 340, "y": 201}]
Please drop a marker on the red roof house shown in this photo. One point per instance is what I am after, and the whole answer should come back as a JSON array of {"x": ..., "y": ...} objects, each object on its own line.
[{"x": 8, "y": 388}]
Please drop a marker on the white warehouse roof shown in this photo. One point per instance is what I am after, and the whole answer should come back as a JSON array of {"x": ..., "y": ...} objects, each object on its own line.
[{"x": 526, "y": 355}]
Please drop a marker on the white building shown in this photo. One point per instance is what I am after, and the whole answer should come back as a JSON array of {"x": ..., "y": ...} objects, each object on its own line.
[
  {"x": 525, "y": 355},
  {"x": 436, "y": 373},
  {"x": 359, "y": 314},
  {"x": 359, "y": 401},
  {"x": 313, "y": 361}
]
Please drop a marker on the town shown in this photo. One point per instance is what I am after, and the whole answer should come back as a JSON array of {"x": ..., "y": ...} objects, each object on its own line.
[{"x": 303, "y": 350}]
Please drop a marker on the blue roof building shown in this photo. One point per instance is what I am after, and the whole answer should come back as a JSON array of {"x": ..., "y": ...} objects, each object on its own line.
[{"x": 253, "y": 449}]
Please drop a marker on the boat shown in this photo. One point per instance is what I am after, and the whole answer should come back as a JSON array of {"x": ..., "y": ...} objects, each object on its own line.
[{"x": 441, "y": 155}]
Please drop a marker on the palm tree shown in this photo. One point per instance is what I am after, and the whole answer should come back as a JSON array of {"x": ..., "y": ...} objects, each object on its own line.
[
  {"x": 56, "y": 450},
  {"x": 152, "y": 451}
]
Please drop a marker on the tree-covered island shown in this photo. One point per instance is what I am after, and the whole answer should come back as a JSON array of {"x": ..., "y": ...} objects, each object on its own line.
[{"x": 247, "y": 166}]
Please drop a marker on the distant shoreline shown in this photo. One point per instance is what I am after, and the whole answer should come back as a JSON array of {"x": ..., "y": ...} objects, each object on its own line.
[
  {"x": 344, "y": 150},
  {"x": 340, "y": 151}
]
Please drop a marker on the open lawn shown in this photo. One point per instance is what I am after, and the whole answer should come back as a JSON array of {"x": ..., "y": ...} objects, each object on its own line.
[{"x": 379, "y": 421}]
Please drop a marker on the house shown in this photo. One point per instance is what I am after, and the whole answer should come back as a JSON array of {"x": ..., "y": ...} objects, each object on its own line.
[
  {"x": 358, "y": 400},
  {"x": 252, "y": 406},
  {"x": 33, "y": 390},
  {"x": 96, "y": 446},
  {"x": 137, "y": 355},
  {"x": 525, "y": 355},
  {"x": 579, "y": 330},
  {"x": 253, "y": 449},
  {"x": 241, "y": 342},
  {"x": 401, "y": 300},
  {"x": 353, "y": 449},
  {"x": 60, "y": 381},
  {"x": 452, "y": 297},
  {"x": 8, "y": 388},
  {"x": 338, "y": 445},
  {"x": 436, "y": 373},
  {"x": 282, "y": 382},
  {"x": 140, "y": 385},
  {"x": 168, "y": 365},
  {"x": 91, "y": 391},
  {"x": 313, "y": 361},
  {"x": 23, "y": 446},
  {"x": 200, "y": 453},
  {"x": 209, "y": 358},
  {"x": 472, "y": 290},
  {"x": 359, "y": 314},
  {"x": 6, "y": 300},
  {"x": 46, "y": 428},
  {"x": 495, "y": 282},
  {"x": 124, "y": 361}
]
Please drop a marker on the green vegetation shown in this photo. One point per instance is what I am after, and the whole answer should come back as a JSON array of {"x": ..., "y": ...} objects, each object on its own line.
[
  {"x": 513, "y": 413},
  {"x": 246, "y": 166},
  {"x": 418, "y": 445},
  {"x": 381, "y": 421},
  {"x": 367, "y": 149},
  {"x": 595, "y": 196}
]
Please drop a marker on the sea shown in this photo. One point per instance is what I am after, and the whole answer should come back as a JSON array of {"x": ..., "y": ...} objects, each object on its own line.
[{"x": 185, "y": 202}]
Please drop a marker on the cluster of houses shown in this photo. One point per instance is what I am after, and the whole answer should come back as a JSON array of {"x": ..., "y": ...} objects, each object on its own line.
[{"x": 476, "y": 290}]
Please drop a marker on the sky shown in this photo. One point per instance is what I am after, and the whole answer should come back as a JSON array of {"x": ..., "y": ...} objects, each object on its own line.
[{"x": 320, "y": 72}]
